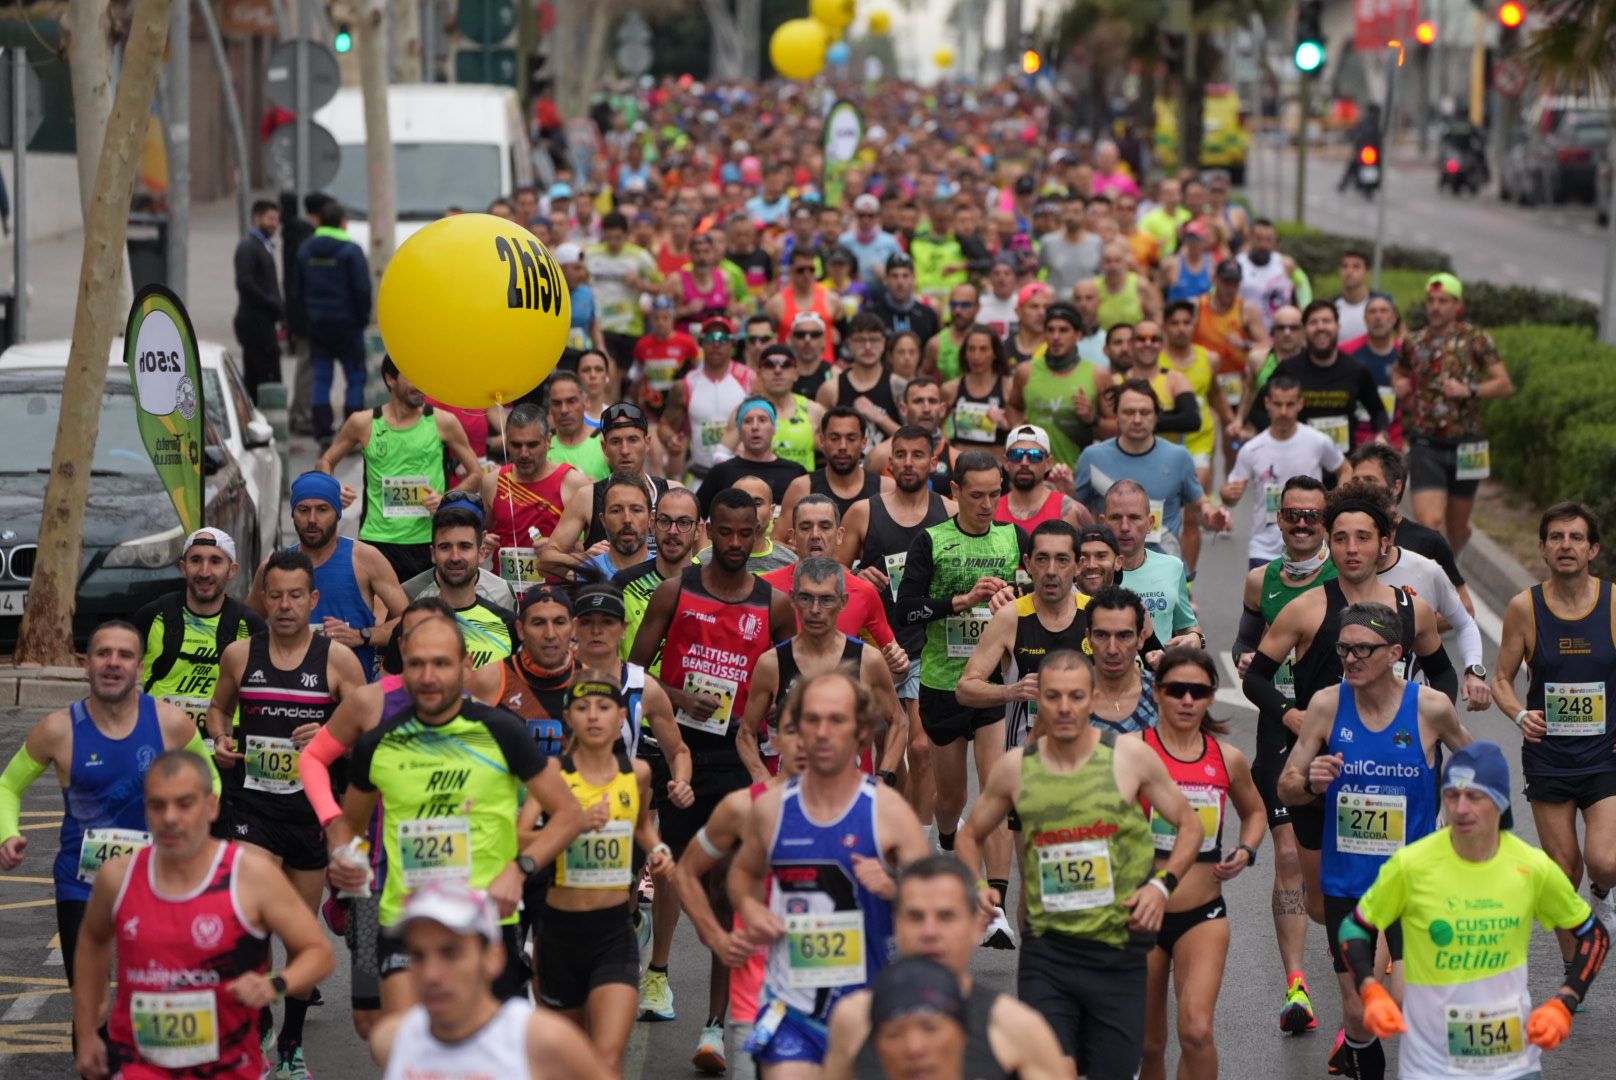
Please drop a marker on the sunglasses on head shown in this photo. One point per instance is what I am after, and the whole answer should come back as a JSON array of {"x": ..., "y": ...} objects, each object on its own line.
[
  {"x": 623, "y": 410},
  {"x": 1197, "y": 690},
  {"x": 779, "y": 363},
  {"x": 1030, "y": 454},
  {"x": 1291, "y": 515}
]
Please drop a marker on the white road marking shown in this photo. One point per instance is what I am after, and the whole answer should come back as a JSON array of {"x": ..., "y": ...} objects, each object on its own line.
[
  {"x": 1229, "y": 693},
  {"x": 1487, "y": 620},
  {"x": 21, "y": 1011}
]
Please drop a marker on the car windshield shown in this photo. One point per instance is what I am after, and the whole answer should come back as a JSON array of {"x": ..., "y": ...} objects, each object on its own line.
[
  {"x": 431, "y": 178},
  {"x": 31, "y": 401}
]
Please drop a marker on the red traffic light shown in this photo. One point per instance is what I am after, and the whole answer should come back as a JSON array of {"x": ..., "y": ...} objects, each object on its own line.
[
  {"x": 1511, "y": 13},
  {"x": 1368, "y": 156},
  {"x": 1425, "y": 32}
]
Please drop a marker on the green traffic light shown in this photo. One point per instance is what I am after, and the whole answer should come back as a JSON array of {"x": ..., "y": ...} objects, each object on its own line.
[
  {"x": 1309, "y": 56},
  {"x": 343, "y": 42}
]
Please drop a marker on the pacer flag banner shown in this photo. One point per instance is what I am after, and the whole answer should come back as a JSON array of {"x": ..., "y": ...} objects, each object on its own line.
[
  {"x": 844, "y": 130},
  {"x": 160, "y": 349}
]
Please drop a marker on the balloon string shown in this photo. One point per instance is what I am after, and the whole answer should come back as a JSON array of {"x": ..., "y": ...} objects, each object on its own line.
[{"x": 510, "y": 501}]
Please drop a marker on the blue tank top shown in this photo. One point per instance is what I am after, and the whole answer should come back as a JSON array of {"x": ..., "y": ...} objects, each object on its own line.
[
  {"x": 838, "y": 934},
  {"x": 1191, "y": 286},
  {"x": 341, "y": 599},
  {"x": 1572, "y": 662},
  {"x": 105, "y": 790},
  {"x": 1384, "y": 799}
]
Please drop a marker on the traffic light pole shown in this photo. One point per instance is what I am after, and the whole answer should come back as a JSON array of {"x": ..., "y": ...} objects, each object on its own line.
[
  {"x": 1395, "y": 61},
  {"x": 1304, "y": 96}
]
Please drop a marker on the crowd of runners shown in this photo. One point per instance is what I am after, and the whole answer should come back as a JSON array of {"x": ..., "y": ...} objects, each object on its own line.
[{"x": 830, "y": 503}]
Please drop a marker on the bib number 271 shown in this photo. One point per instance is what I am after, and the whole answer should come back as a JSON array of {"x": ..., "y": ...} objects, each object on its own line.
[{"x": 532, "y": 282}]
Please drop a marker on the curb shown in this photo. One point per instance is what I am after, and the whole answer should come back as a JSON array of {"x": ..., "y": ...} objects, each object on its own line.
[
  {"x": 1492, "y": 571},
  {"x": 34, "y": 687}
]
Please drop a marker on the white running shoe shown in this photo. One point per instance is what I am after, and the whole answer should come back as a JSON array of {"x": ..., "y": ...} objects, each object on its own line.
[{"x": 999, "y": 934}]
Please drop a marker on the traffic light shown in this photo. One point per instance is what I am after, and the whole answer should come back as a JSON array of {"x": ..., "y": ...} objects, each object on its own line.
[
  {"x": 1425, "y": 33},
  {"x": 1369, "y": 155},
  {"x": 1309, "y": 55},
  {"x": 1511, "y": 14},
  {"x": 1031, "y": 62},
  {"x": 343, "y": 41}
]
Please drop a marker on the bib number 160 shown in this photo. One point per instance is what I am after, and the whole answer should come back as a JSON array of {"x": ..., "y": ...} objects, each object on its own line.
[{"x": 532, "y": 282}]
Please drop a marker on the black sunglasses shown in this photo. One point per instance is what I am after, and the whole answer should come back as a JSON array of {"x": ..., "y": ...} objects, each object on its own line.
[
  {"x": 765, "y": 340},
  {"x": 807, "y": 335},
  {"x": 1359, "y": 652},
  {"x": 623, "y": 410},
  {"x": 1294, "y": 516},
  {"x": 1197, "y": 690}
]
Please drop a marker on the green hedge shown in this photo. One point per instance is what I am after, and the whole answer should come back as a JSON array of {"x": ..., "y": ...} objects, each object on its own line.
[
  {"x": 1555, "y": 438},
  {"x": 1319, "y": 253},
  {"x": 1407, "y": 288},
  {"x": 1487, "y": 304}
]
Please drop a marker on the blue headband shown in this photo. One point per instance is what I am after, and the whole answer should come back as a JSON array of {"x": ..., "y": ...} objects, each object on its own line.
[
  {"x": 318, "y": 485},
  {"x": 756, "y": 403}
]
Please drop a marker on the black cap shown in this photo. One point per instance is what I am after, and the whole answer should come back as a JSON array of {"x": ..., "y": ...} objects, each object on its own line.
[
  {"x": 1229, "y": 270},
  {"x": 1101, "y": 533},
  {"x": 1025, "y": 184},
  {"x": 544, "y": 594},
  {"x": 623, "y": 414},
  {"x": 600, "y": 602},
  {"x": 900, "y": 260},
  {"x": 1066, "y": 313},
  {"x": 915, "y": 985}
]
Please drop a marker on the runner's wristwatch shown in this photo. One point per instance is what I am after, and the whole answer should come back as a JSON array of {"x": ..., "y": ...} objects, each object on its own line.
[
  {"x": 1251, "y": 854},
  {"x": 1478, "y": 670}
]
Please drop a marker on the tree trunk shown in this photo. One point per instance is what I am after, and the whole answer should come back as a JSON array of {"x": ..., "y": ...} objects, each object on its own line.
[
  {"x": 176, "y": 110},
  {"x": 406, "y": 17},
  {"x": 594, "y": 58},
  {"x": 372, "y": 45},
  {"x": 729, "y": 45},
  {"x": 1191, "y": 102},
  {"x": 46, "y": 635},
  {"x": 87, "y": 24}
]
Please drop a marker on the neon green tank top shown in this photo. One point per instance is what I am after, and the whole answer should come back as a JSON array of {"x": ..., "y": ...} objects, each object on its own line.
[
  {"x": 1085, "y": 848},
  {"x": 189, "y": 683},
  {"x": 794, "y": 437},
  {"x": 1122, "y": 306},
  {"x": 402, "y": 467},
  {"x": 587, "y": 457},
  {"x": 959, "y": 561},
  {"x": 1049, "y": 405},
  {"x": 948, "y": 356}
]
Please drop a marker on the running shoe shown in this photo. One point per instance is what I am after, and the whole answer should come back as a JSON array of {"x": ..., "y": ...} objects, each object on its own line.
[
  {"x": 647, "y": 886},
  {"x": 1341, "y": 1063},
  {"x": 267, "y": 1044},
  {"x": 709, "y": 1055},
  {"x": 292, "y": 1066},
  {"x": 656, "y": 996},
  {"x": 642, "y": 927},
  {"x": 999, "y": 935},
  {"x": 1604, "y": 909},
  {"x": 1296, "y": 1016}
]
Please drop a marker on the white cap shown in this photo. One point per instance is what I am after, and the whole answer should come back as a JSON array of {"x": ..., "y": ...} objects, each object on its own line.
[
  {"x": 454, "y": 906},
  {"x": 209, "y": 536},
  {"x": 568, "y": 254},
  {"x": 867, "y": 204},
  {"x": 808, "y": 318},
  {"x": 1028, "y": 433}
]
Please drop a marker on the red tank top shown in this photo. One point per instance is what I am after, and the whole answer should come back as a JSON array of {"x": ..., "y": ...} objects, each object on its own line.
[
  {"x": 475, "y": 421},
  {"x": 819, "y": 306},
  {"x": 1050, "y": 511},
  {"x": 712, "y": 648},
  {"x": 520, "y": 507},
  {"x": 1205, "y": 783},
  {"x": 173, "y": 1015}
]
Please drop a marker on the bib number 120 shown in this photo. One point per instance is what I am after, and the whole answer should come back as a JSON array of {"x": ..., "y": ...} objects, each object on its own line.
[{"x": 531, "y": 281}]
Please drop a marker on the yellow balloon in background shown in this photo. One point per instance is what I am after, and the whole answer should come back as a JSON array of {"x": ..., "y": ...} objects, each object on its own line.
[
  {"x": 880, "y": 22},
  {"x": 943, "y": 57},
  {"x": 835, "y": 15},
  {"x": 797, "y": 48},
  {"x": 474, "y": 310}
]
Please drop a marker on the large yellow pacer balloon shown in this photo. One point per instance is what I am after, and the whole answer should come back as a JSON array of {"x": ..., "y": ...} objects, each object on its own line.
[
  {"x": 797, "y": 48},
  {"x": 835, "y": 15},
  {"x": 474, "y": 310},
  {"x": 943, "y": 57},
  {"x": 880, "y": 22}
]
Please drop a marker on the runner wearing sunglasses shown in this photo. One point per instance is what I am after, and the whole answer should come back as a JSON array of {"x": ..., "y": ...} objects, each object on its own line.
[
  {"x": 625, "y": 441},
  {"x": 1193, "y": 943},
  {"x": 1032, "y": 500},
  {"x": 1368, "y": 746},
  {"x": 701, "y": 403}
]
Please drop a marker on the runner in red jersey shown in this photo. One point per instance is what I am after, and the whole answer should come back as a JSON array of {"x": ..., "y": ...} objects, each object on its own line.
[
  {"x": 525, "y": 498},
  {"x": 190, "y": 919},
  {"x": 663, "y": 355},
  {"x": 1028, "y": 462}
]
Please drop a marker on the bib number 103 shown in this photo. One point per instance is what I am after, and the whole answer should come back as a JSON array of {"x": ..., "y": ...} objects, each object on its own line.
[{"x": 532, "y": 281}]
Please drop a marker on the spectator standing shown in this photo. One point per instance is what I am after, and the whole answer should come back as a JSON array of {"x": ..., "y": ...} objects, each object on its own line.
[
  {"x": 258, "y": 299},
  {"x": 333, "y": 287}
]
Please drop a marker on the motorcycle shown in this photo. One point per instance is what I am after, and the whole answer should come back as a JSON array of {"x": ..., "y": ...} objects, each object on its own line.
[
  {"x": 1366, "y": 172},
  {"x": 1462, "y": 167}
]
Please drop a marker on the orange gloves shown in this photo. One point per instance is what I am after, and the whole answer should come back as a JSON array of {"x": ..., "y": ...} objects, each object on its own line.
[
  {"x": 1382, "y": 1016},
  {"x": 1549, "y": 1025}
]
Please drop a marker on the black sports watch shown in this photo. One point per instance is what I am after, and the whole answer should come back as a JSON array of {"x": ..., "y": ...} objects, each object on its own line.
[
  {"x": 890, "y": 779},
  {"x": 365, "y": 634},
  {"x": 1251, "y": 854},
  {"x": 277, "y": 983},
  {"x": 1478, "y": 670},
  {"x": 526, "y": 864}
]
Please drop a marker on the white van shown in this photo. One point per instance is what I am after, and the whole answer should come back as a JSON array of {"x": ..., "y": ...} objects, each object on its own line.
[{"x": 454, "y": 145}]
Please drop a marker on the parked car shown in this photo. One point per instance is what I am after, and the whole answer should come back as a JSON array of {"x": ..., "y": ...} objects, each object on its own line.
[
  {"x": 132, "y": 539},
  {"x": 1557, "y": 154}
]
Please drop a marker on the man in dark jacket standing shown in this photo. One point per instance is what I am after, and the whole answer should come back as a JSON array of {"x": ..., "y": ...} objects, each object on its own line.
[
  {"x": 296, "y": 228},
  {"x": 258, "y": 298},
  {"x": 333, "y": 287}
]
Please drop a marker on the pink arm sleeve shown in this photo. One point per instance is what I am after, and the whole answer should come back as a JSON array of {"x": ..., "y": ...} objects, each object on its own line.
[{"x": 314, "y": 766}]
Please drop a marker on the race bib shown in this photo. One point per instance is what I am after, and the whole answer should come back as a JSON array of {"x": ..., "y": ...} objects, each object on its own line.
[
  {"x": 1474, "y": 461},
  {"x": 1484, "y": 1039},
  {"x": 1272, "y": 495},
  {"x": 972, "y": 422},
  {"x": 196, "y": 707},
  {"x": 1574, "y": 708},
  {"x": 272, "y": 766},
  {"x": 519, "y": 564},
  {"x": 99, "y": 845},
  {"x": 825, "y": 950},
  {"x": 895, "y": 565},
  {"x": 697, "y": 682},
  {"x": 601, "y": 859},
  {"x": 405, "y": 496},
  {"x": 660, "y": 373},
  {"x": 1369, "y": 824},
  {"x": 578, "y": 338},
  {"x": 176, "y": 1031},
  {"x": 1208, "y": 806},
  {"x": 1388, "y": 400},
  {"x": 1158, "y": 509},
  {"x": 712, "y": 432},
  {"x": 1337, "y": 427},
  {"x": 435, "y": 849},
  {"x": 962, "y": 632},
  {"x": 1232, "y": 386},
  {"x": 1076, "y": 877},
  {"x": 617, "y": 311},
  {"x": 1285, "y": 680}
]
